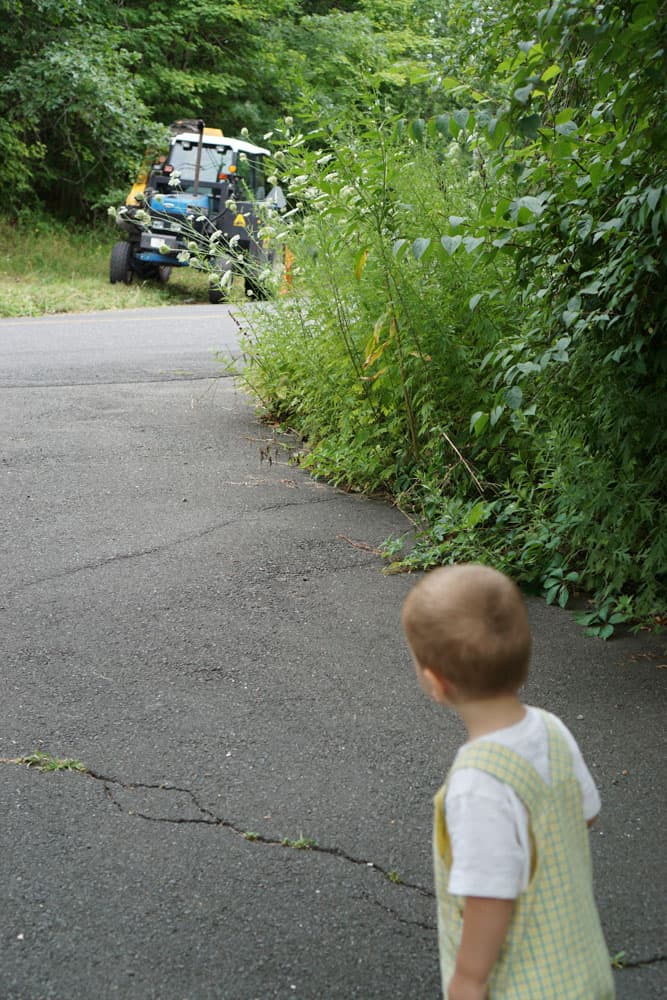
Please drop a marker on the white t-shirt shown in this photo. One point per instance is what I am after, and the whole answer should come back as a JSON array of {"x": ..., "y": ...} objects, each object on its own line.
[{"x": 487, "y": 822}]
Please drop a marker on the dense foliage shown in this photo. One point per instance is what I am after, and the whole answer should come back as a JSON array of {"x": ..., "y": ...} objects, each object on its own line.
[
  {"x": 479, "y": 318},
  {"x": 87, "y": 87}
]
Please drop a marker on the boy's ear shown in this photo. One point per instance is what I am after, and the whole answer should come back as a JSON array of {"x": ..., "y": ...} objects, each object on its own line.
[{"x": 435, "y": 686}]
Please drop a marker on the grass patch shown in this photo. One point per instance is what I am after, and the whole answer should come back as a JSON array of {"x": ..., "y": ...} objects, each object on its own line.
[
  {"x": 49, "y": 267},
  {"x": 47, "y": 762}
]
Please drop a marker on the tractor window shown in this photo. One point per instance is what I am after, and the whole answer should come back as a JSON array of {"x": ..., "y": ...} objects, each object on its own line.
[{"x": 183, "y": 157}]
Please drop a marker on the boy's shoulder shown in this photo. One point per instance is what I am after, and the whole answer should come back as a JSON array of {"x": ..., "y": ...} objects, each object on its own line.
[{"x": 528, "y": 738}]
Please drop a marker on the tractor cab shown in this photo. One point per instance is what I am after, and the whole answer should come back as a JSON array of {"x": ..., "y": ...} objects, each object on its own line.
[{"x": 206, "y": 183}]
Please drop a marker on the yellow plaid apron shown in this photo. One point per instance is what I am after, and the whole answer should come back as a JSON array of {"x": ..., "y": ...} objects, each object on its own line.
[{"x": 555, "y": 949}]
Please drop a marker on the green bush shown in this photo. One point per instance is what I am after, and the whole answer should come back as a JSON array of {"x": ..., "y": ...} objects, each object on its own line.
[{"x": 477, "y": 318}]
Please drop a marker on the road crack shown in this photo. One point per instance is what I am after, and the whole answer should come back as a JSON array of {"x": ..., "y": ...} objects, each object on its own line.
[
  {"x": 153, "y": 550},
  {"x": 201, "y": 815},
  {"x": 641, "y": 962}
]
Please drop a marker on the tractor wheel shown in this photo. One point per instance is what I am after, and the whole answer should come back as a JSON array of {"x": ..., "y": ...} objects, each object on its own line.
[
  {"x": 163, "y": 273},
  {"x": 120, "y": 266},
  {"x": 219, "y": 290},
  {"x": 254, "y": 290}
]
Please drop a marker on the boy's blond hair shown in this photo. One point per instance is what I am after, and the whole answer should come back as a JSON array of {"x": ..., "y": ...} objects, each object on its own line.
[{"x": 468, "y": 623}]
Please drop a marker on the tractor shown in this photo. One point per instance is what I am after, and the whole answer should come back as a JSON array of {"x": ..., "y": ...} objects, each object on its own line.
[{"x": 207, "y": 191}]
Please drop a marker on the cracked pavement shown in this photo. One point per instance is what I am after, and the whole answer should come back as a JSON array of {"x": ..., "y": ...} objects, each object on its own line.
[{"x": 213, "y": 637}]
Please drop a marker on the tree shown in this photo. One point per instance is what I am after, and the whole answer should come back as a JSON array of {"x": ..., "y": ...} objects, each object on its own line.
[{"x": 74, "y": 119}]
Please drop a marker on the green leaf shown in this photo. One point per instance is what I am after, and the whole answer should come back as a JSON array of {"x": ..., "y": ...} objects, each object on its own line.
[
  {"x": 451, "y": 243},
  {"x": 529, "y": 125},
  {"x": 464, "y": 118},
  {"x": 503, "y": 240},
  {"x": 475, "y": 514},
  {"x": 475, "y": 300},
  {"x": 513, "y": 397},
  {"x": 456, "y": 220},
  {"x": 417, "y": 129},
  {"x": 567, "y": 128},
  {"x": 534, "y": 204},
  {"x": 497, "y": 129},
  {"x": 478, "y": 422},
  {"x": 420, "y": 246},
  {"x": 472, "y": 242},
  {"x": 653, "y": 197},
  {"x": 523, "y": 94},
  {"x": 550, "y": 73}
]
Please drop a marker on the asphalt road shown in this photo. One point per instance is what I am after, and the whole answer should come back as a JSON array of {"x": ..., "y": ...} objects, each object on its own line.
[{"x": 212, "y": 636}]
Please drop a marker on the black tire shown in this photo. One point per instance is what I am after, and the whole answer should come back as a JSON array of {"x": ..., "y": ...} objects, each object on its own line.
[
  {"x": 216, "y": 293},
  {"x": 120, "y": 266},
  {"x": 152, "y": 272},
  {"x": 259, "y": 293}
]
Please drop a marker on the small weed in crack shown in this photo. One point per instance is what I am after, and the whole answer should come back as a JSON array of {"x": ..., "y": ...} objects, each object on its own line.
[
  {"x": 300, "y": 844},
  {"x": 47, "y": 762}
]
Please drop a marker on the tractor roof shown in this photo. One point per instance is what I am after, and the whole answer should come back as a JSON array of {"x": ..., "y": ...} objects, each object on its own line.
[{"x": 239, "y": 145}]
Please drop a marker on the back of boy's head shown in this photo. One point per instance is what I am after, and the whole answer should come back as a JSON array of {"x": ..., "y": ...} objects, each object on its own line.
[{"x": 468, "y": 623}]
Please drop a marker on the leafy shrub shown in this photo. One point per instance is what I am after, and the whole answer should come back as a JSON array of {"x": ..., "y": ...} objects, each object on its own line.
[{"x": 477, "y": 321}]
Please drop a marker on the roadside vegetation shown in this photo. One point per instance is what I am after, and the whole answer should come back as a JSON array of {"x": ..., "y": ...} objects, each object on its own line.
[
  {"x": 477, "y": 206},
  {"x": 478, "y": 320}
]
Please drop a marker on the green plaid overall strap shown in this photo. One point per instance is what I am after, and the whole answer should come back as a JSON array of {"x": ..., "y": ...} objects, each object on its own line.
[
  {"x": 560, "y": 758},
  {"x": 506, "y": 765}
]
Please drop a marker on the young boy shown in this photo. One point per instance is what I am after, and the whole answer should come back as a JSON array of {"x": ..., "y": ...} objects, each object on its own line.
[{"x": 516, "y": 914}]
